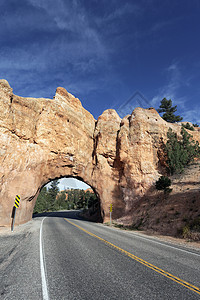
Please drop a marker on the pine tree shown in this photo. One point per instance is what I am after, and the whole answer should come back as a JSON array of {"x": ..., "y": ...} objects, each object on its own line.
[
  {"x": 41, "y": 204},
  {"x": 163, "y": 183},
  {"x": 173, "y": 149},
  {"x": 61, "y": 200},
  {"x": 191, "y": 148},
  {"x": 180, "y": 152},
  {"x": 52, "y": 192},
  {"x": 168, "y": 110},
  {"x": 188, "y": 126}
]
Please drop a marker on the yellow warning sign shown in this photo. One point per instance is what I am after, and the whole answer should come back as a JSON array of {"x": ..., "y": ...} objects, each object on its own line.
[
  {"x": 17, "y": 199},
  {"x": 110, "y": 207}
]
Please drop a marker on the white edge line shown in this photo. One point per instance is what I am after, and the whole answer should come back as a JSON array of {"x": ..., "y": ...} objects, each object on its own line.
[
  {"x": 43, "y": 276},
  {"x": 156, "y": 242},
  {"x": 151, "y": 240},
  {"x": 166, "y": 245}
]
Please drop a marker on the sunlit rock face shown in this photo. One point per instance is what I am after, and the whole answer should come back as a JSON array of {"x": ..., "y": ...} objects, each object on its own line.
[{"x": 43, "y": 139}]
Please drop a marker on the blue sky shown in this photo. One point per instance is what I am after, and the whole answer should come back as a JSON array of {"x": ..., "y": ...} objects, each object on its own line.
[{"x": 104, "y": 51}]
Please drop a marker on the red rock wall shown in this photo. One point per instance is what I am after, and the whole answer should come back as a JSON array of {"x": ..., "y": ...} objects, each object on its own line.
[{"x": 43, "y": 139}]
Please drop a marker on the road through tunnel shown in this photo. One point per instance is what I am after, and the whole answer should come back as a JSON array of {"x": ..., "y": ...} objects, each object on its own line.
[{"x": 69, "y": 193}]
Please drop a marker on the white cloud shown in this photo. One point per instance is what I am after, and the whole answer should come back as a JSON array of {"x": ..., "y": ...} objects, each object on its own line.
[
  {"x": 22, "y": 59},
  {"x": 121, "y": 11},
  {"x": 71, "y": 19},
  {"x": 65, "y": 183},
  {"x": 158, "y": 26},
  {"x": 192, "y": 115},
  {"x": 169, "y": 90},
  {"x": 55, "y": 42},
  {"x": 70, "y": 183}
]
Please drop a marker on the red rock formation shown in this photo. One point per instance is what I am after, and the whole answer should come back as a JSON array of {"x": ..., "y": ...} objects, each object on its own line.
[{"x": 43, "y": 139}]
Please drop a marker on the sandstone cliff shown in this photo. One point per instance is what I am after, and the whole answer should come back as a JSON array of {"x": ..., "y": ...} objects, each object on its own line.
[{"x": 43, "y": 139}]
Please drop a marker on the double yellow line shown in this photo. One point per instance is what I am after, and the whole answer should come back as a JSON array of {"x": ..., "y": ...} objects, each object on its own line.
[{"x": 145, "y": 263}]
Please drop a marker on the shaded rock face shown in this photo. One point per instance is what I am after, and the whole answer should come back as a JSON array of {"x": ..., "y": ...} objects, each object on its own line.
[{"x": 43, "y": 139}]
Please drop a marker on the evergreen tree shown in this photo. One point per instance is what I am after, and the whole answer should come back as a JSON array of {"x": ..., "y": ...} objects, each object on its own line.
[
  {"x": 51, "y": 199},
  {"x": 163, "y": 183},
  {"x": 61, "y": 200},
  {"x": 173, "y": 153},
  {"x": 191, "y": 148},
  {"x": 180, "y": 152},
  {"x": 168, "y": 110},
  {"x": 188, "y": 126},
  {"x": 53, "y": 191},
  {"x": 41, "y": 204},
  {"x": 92, "y": 201}
]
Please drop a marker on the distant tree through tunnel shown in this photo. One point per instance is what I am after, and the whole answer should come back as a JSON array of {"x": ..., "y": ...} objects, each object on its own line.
[{"x": 66, "y": 194}]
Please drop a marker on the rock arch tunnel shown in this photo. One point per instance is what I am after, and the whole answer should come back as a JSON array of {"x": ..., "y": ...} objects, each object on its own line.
[{"x": 43, "y": 139}]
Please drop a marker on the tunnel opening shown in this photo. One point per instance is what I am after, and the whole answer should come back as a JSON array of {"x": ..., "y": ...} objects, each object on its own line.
[{"x": 66, "y": 194}]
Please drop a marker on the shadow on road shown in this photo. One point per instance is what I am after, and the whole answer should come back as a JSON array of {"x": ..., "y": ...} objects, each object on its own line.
[{"x": 69, "y": 214}]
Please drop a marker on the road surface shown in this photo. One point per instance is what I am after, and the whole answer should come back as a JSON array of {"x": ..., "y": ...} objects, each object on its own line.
[{"x": 61, "y": 256}]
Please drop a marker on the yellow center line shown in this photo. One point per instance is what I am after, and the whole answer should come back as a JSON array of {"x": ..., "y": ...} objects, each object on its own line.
[{"x": 140, "y": 260}]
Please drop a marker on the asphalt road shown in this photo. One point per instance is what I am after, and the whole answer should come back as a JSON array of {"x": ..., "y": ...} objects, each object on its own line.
[{"x": 63, "y": 257}]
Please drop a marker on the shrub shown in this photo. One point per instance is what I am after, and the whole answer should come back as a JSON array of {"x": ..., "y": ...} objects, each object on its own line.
[
  {"x": 186, "y": 232},
  {"x": 163, "y": 183},
  {"x": 192, "y": 230},
  {"x": 188, "y": 126}
]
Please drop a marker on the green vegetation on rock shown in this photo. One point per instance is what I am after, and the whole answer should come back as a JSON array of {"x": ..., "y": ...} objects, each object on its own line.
[
  {"x": 180, "y": 152},
  {"x": 168, "y": 111},
  {"x": 188, "y": 126}
]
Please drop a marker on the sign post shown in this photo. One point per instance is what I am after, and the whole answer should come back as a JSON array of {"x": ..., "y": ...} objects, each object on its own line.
[
  {"x": 16, "y": 205},
  {"x": 110, "y": 213}
]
